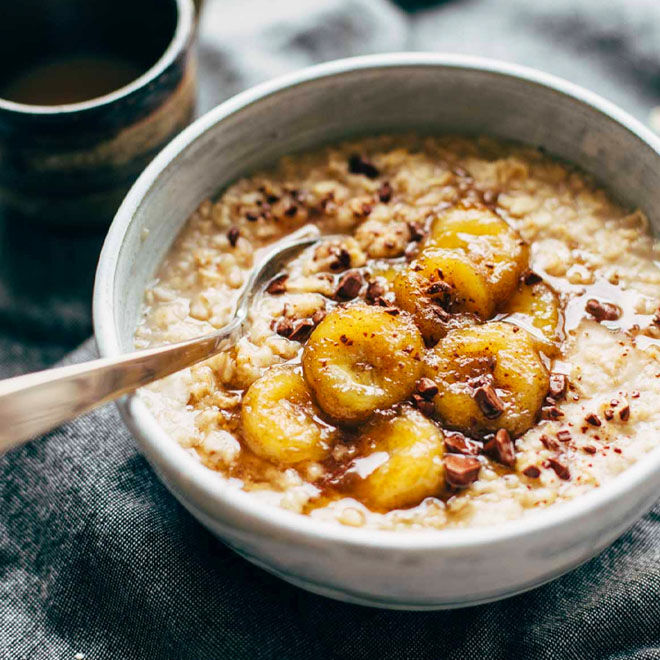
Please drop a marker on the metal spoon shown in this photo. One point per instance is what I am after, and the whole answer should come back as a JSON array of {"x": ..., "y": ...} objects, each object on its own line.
[{"x": 35, "y": 403}]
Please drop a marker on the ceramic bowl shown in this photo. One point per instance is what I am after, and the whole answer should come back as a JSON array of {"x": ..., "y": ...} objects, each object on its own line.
[
  {"x": 72, "y": 164},
  {"x": 367, "y": 95}
]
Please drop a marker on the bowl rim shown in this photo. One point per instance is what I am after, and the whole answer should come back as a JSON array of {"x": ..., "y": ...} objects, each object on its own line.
[
  {"x": 181, "y": 38},
  {"x": 265, "y": 517}
]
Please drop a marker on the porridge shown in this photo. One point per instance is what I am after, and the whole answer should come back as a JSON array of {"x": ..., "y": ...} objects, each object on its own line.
[{"x": 480, "y": 341}]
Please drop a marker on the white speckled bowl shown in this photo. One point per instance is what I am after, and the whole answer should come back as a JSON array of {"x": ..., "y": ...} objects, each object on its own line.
[{"x": 422, "y": 92}]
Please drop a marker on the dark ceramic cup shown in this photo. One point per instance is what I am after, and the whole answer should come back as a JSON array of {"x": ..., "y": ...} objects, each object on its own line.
[{"x": 71, "y": 164}]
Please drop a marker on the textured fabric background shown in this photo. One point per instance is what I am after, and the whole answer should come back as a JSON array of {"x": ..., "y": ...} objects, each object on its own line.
[{"x": 97, "y": 559}]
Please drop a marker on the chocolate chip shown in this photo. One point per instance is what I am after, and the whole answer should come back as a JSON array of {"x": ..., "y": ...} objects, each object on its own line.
[
  {"x": 549, "y": 443},
  {"x": 438, "y": 287},
  {"x": 551, "y": 412},
  {"x": 427, "y": 388},
  {"x": 385, "y": 192},
  {"x": 459, "y": 444},
  {"x": 490, "y": 404},
  {"x": 442, "y": 314},
  {"x": 602, "y": 311},
  {"x": 560, "y": 468},
  {"x": 417, "y": 232},
  {"x": 564, "y": 435},
  {"x": 500, "y": 447},
  {"x": 593, "y": 419},
  {"x": 284, "y": 327},
  {"x": 232, "y": 236},
  {"x": 461, "y": 471},
  {"x": 558, "y": 386},
  {"x": 530, "y": 277},
  {"x": 532, "y": 472},
  {"x": 489, "y": 197},
  {"x": 364, "y": 210},
  {"x": 342, "y": 260},
  {"x": 277, "y": 285},
  {"x": 375, "y": 290},
  {"x": 359, "y": 165},
  {"x": 301, "y": 330},
  {"x": 424, "y": 406},
  {"x": 624, "y": 413},
  {"x": 349, "y": 285}
]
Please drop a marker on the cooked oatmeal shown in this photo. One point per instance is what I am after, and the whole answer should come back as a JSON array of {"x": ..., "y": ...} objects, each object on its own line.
[{"x": 479, "y": 344}]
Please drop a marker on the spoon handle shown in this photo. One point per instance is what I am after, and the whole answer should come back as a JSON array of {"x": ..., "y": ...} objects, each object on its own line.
[{"x": 36, "y": 403}]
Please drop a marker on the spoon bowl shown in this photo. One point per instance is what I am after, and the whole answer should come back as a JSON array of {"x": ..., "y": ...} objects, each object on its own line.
[{"x": 36, "y": 403}]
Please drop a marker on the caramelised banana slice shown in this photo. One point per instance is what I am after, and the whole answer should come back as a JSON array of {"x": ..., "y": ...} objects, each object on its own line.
[
  {"x": 536, "y": 306},
  {"x": 362, "y": 358},
  {"x": 488, "y": 241},
  {"x": 443, "y": 289},
  {"x": 489, "y": 377},
  {"x": 280, "y": 421},
  {"x": 401, "y": 461}
]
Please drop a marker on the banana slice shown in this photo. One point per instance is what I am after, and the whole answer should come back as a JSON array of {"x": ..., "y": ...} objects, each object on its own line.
[
  {"x": 489, "y": 377},
  {"x": 443, "y": 289},
  {"x": 488, "y": 241},
  {"x": 280, "y": 421},
  {"x": 536, "y": 306},
  {"x": 401, "y": 461},
  {"x": 362, "y": 358}
]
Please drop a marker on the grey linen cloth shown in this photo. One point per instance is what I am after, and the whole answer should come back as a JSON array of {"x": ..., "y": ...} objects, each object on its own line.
[{"x": 97, "y": 560}]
